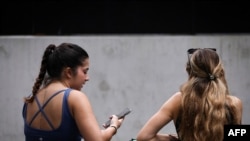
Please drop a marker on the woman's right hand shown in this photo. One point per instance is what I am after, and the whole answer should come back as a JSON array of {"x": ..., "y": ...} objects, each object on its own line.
[
  {"x": 111, "y": 130},
  {"x": 115, "y": 121}
]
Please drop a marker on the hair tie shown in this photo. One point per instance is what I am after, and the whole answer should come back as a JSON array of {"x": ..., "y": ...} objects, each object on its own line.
[
  {"x": 51, "y": 48},
  {"x": 211, "y": 77}
]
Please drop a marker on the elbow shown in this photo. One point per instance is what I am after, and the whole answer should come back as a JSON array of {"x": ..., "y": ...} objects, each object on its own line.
[{"x": 141, "y": 137}]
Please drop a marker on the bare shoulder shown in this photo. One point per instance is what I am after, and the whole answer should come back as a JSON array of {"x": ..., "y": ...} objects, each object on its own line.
[
  {"x": 76, "y": 94},
  {"x": 235, "y": 100},
  {"x": 172, "y": 105},
  {"x": 176, "y": 97},
  {"x": 77, "y": 97},
  {"x": 174, "y": 100}
]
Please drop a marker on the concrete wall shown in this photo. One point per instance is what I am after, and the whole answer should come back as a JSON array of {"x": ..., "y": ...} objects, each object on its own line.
[{"x": 139, "y": 72}]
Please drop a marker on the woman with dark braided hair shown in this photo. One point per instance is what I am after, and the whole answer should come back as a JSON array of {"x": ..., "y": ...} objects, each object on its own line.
[
  {"x": 57, "y": 110},
  {"x": 202, "y": 106}
]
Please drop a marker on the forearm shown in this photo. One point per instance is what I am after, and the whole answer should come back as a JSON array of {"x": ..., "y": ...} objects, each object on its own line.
[
  {"x": 108, "y": 133},
  {"x": 166, "y": 137},
  {"x": 159, "y": 137}
]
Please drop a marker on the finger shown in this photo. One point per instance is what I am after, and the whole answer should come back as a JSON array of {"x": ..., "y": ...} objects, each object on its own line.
[
  {"x": 104, "y": 126},
  {"x": 114, "y": 116}
]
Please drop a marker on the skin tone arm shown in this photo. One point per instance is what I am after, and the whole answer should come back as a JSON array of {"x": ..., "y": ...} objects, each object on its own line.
[
  {"x": 238, "y": 104},
  {"x": 86, "y": 121},
  {"x": 166, "y": 113}
]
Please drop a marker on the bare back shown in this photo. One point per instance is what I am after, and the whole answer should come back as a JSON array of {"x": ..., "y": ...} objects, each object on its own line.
[{"x": 54, "y": 104}]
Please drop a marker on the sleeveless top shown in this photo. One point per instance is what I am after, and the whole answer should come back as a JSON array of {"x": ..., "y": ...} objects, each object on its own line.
[{"x": 67, "y": 130}]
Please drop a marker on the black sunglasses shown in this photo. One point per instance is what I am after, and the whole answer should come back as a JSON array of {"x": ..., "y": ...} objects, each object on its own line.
[{"x": 192, "y": 50}]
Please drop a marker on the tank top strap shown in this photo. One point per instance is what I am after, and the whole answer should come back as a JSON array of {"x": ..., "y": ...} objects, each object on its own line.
[
  {"x": 42, "y": 107},
  {"x": 66, "y": 109},
  {"x": 66, "y": 94}
]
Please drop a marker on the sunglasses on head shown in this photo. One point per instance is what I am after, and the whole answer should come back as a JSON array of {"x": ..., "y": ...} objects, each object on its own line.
[{"x": 192, "y": 50}]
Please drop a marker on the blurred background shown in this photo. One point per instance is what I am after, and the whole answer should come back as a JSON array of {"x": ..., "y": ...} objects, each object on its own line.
[{"x": 137, "y": 52}]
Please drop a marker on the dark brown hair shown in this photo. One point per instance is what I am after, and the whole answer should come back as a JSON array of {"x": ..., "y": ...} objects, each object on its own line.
[{"x": 54, "y": 59}]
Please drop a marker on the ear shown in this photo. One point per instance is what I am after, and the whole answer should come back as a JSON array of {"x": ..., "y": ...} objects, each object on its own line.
[{"x": 68, "y": 73}]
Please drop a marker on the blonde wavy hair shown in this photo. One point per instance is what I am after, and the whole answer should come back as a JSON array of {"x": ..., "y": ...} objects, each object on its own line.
[{"x": 204, "y": 114}]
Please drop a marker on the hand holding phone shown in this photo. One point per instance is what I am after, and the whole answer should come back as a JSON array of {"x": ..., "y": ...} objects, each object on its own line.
[{"x": 122, "y": 114}]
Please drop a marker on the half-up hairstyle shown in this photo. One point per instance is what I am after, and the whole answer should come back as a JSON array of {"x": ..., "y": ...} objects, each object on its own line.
[
  {"x": 54, "y": 60},
  {"x": 203, "y": 114}
]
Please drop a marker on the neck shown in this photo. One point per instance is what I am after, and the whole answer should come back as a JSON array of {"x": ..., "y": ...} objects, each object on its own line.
[{"x": 60, "y": 82}]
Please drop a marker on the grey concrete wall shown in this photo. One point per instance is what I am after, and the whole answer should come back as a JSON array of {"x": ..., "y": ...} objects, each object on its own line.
[{"x": 139, "y": 72}]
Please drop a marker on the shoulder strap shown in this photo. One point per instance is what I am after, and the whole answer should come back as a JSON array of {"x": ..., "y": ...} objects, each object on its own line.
[
  {"x": 66, "y": 108},
  {"x": 24, "y": 110},
  {"x": 42, "y": 107}
]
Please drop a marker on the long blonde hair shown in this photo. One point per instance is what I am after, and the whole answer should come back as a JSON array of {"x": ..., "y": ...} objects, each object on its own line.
[{"x": 203, "y": 113}]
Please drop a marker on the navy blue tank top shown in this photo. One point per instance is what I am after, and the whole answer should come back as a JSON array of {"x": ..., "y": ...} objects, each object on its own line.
[{"x": 67, "y": 130}]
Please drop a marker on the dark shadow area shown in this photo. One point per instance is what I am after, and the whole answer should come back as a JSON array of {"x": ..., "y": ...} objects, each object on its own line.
[{"x": 124, "y": 17}]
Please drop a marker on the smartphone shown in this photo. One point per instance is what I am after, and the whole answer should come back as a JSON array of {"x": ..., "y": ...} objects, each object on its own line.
[{"x": 122, "y": 114}]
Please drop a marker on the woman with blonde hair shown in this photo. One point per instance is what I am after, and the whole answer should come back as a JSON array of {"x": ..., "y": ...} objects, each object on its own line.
[{"x": 202, "y": 106}]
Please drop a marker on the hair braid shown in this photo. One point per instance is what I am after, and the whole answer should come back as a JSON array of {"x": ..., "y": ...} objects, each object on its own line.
[{"x": 49, "y": 50}]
